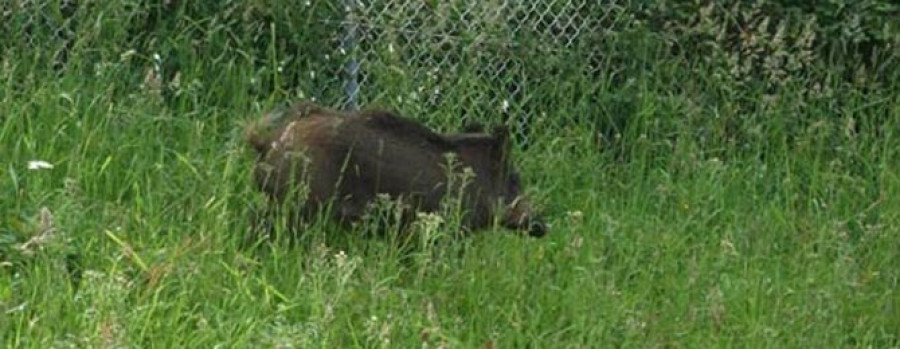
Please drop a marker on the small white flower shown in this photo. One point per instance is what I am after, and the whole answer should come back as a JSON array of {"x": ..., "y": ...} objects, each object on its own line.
[
  {"x": 505, "y": 105},
  {"x": 391, "y": 47},
  {"x": 127, "y": 54},
  {"x": 39, "y": 165},
  {"x": 575, "y": 217},
  {"x": 176, "y": 81},
  {"x": 341, "y": 259},
  {"x": 18, "y": 308}
]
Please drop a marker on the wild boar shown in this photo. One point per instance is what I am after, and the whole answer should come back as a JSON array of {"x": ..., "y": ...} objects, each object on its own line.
[{"x": 348, "y": 159}]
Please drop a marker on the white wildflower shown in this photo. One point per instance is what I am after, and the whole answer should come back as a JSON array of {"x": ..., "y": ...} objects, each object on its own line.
[
  {"x": 127, "y": 54},
  {"x": 39, "y": 165},
  {"x": 341, "y": 259}
]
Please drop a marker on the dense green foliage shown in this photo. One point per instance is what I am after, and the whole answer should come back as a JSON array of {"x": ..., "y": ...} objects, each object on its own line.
[{"x": 716, "y": 175}]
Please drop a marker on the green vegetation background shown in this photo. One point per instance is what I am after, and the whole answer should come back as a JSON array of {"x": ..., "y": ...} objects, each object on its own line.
[{"x": 716, "y": 173}]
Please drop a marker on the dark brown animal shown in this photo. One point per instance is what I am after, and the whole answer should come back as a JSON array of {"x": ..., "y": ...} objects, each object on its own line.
[{"x": 349, "y": 159}]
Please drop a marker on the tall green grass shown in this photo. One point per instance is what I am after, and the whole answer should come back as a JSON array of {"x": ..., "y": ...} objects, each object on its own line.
[{"x": 709, "y": 215}]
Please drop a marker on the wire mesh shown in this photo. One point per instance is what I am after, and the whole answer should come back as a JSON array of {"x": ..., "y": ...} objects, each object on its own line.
[
  {"x": 483, "y": 52},
  {"x": 466, "y": 59}
]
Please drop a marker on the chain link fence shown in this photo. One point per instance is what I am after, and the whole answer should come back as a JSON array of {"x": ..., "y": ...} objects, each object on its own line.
[
  {"x": 494, "y": 61},
  {"x": 486, "y": 54},
  {"x": 457, "y": 59}
]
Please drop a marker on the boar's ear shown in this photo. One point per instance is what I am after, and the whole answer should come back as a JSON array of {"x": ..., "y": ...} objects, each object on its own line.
[
  {"x": 477, "y": 143},
  {"x": 472, "y": 127},
  {"x": 501, "y": 134}
]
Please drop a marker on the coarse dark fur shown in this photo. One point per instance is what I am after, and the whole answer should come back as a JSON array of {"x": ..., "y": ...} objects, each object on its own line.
[{"x": 348, "y": 159}]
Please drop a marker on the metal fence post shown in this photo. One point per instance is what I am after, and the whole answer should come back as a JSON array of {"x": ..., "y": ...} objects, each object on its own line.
[{"x": 348, "y": 47}]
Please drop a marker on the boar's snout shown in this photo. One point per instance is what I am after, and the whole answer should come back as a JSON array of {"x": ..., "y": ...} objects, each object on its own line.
[
  {"x": 521, "y": 216},
  {"x": 537, "y": 228}
]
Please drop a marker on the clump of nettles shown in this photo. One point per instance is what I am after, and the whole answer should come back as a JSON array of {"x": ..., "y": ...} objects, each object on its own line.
[
  {"x": 45, "y": 234},
  {"x": 39, "y": 236},
  {"x": 458, "y": 178},
  {"x": 777, "y": 41},
  {"x": 40, "y": 240},
  {"x": 385, "y": 215},
  {"x": 747, "y": 44},
  {"x": 423, "y": 234}
]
